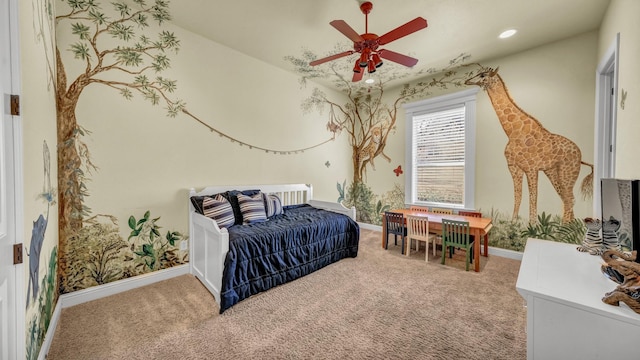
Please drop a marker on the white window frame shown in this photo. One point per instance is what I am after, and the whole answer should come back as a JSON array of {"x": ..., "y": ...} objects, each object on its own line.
[{"x": 466, "y": 98}]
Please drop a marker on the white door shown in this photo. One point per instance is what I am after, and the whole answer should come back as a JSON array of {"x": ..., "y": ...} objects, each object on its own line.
[
  {"x": 605, "y": 126},
  {"x": 8, "y": 272}
]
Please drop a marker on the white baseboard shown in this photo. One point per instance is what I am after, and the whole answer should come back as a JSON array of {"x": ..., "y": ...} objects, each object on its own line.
[
  {"x": 100, "y": 291},
  {"x": 370, "y": 226},
  {"x": 505, "y": 253},
  {"x": 48, "y": 337},
  {"x": 112, "y": 288}
]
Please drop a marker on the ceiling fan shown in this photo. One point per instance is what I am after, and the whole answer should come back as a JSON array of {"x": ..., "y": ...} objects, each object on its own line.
[{"x": 367, "y": 44}]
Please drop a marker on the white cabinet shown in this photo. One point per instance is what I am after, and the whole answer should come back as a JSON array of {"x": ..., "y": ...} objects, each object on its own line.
[{"x": 566, "y": 318}]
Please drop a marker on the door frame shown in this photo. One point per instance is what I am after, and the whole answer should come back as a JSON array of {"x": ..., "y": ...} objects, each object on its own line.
[
  {"x": 605, "y": 120},
  {"x": 17, "y": 177}
]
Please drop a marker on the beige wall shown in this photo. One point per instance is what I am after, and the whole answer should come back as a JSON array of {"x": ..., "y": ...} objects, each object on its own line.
[
  {"x": 38, "y": 113},
  {"x": 622, "y": 18},
  {"x": 148, "y": 161},
  {"x": 554, "y": 83}
]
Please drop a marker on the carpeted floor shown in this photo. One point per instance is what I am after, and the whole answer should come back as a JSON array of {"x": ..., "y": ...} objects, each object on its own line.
[{"x": 380, "y": 305}]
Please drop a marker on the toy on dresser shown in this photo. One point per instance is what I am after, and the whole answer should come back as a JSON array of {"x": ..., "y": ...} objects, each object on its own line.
[
  {"x": 623, "y": 269},
  {"x": 596, "y": 244}
]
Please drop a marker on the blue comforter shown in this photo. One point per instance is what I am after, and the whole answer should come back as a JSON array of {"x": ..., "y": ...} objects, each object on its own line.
[{"x": 284, "y": 248}]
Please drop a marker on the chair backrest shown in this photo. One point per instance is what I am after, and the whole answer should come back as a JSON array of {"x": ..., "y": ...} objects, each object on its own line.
[
  {"x": 455, "y": 232},
  {"x": 442, "y": 211},
  {"x": 418, "y": 227},
  {"x": 418, "y": 208},
  {"x": 394, "y": 222},
  {"x": 477, "y": 214}
]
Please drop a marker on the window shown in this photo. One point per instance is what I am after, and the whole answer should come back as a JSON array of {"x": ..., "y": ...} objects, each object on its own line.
[{"x": 440, "y": 150}]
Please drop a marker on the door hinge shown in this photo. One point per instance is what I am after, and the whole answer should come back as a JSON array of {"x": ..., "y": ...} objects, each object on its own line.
[
  {"x": 17, "y": 254},
  {"x": 15, "y": 105}
]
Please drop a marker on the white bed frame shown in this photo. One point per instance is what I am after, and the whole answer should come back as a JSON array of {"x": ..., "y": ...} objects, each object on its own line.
[{"x": 208, "y": 244}]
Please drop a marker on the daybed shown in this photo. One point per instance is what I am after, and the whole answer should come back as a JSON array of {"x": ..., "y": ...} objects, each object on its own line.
[{"x": 235, "y": 260}]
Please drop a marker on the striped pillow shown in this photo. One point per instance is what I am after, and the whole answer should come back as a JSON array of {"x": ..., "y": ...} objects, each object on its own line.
[
  {"x": 273, "y": 205},
  {"x": 252, "y": 208},
  {"x": 219, "y": 209}
]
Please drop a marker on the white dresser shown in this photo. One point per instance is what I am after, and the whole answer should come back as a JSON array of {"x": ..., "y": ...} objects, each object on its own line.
[{"x": 566, "y": 318}]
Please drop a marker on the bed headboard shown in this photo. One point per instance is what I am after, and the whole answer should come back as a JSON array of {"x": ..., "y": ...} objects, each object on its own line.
[{"x": 289, "y": 194}]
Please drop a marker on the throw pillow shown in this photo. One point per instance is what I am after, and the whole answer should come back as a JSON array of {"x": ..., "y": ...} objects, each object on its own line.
[
  {"x": 252, "y": 208},
  {"x": 197, "y": 203},
  {"x": 273, "y": 205},
  {"x": 218, "y": 209},
  {"x": 232, "y": 196}
]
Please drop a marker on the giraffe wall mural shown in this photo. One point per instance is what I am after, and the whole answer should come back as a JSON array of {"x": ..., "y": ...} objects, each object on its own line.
[{"x": 532, "y": 148}]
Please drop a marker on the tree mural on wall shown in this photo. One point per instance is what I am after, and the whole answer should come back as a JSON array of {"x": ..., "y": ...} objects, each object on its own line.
[
  {"x": 366, "y": 117},
  {"x": 132, "y": 68},
  {"x": 116, "y": 51},
  {"x": 135, "y": 61}
]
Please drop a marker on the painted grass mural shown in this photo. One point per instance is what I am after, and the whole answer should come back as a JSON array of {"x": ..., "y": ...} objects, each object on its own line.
[
  {"x": 507, "y": 232},
  {"x": 38, "y": 324}
]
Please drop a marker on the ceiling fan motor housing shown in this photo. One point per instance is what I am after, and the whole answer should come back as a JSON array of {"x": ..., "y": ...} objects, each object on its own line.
[{"x": 370, "y": 42}]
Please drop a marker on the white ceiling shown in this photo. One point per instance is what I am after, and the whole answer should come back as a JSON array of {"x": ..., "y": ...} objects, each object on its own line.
[{"x": 270, "y": 30}]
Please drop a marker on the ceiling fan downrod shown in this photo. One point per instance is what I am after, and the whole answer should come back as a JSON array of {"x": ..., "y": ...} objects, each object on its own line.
[{"x": 366, "y": 7}]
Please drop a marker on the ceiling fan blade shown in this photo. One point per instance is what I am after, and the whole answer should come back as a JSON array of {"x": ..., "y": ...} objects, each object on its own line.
[
  {"x": 357, "y": 76},
  {"x": 403, "y": 30},
  {"x": 332, "y": 57},
  {"x": 345, "y": 29},
  {"x": 398, "y": 58}
]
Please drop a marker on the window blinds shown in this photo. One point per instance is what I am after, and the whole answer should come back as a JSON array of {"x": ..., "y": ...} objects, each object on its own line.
[{"x": 439, "y": 154}]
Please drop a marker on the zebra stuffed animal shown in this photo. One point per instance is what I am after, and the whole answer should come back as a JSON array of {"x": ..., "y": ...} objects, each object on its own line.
[
  {"x": 592, "y": 242},
  {"x": 610, "y": 234}
]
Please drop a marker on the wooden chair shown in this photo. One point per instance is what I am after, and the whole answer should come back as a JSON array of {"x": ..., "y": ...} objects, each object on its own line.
[
  {"x": 455, "y": 234},
  {"x": 395, "y": 226},
  {"x": 423, "y": 209},
  {"x": 485, "y": 239},
  {"x": 470, "y": 213},
  {"x": 419, "y": 208},
  {"x": 442, "y": 211},
  {"x": 418, "y": 230}
]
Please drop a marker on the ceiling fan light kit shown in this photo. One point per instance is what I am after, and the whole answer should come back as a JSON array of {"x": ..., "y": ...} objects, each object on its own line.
[{"x": 367, "y": 44}]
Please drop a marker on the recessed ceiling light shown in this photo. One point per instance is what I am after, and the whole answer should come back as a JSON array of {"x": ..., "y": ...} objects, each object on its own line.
[
  {"x": 369, "y": 81},
  {"x": 507, "y": 33}
]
